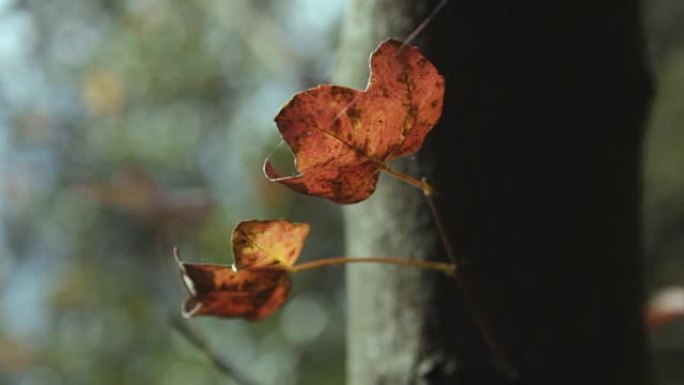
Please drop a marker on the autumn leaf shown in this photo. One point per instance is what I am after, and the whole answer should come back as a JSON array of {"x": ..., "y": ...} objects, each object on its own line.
[
  {"x": 258, "y": 283},
  {"x": 342, "y": 138}
]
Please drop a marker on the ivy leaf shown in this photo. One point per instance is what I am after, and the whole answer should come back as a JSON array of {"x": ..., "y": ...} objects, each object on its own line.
[
  {"x": 342, "y": 138},
  {"x": 216, "y": 290},
  {"x": 258, "y": 283},
  {"x": 264, "y": 244}
]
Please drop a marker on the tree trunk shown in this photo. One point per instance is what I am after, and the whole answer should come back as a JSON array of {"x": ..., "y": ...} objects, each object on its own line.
[{"x": 536, "y": 161}]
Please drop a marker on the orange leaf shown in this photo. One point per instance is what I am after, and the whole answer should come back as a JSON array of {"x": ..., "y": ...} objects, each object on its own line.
[
  {"x": 274, "y": 244},
  {"x": 257, "y": 284},
  {"x": 343, "y": 137}
]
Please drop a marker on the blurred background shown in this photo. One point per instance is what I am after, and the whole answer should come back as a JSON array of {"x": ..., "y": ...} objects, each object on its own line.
[
  {"x": 663, "y": 176},
  {"x": 129, "y": 127}
]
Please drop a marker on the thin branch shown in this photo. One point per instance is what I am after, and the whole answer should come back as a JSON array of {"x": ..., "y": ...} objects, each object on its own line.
[
  {"x": 223, "y": 365},
  {"x": 425, "y": 22},
  {"x": 507, "y": 364},
  {"x": 447, "y": 268},
  {"x": 429, "y": 192},
  {"x": 441, "y": 231},
  {"x": 504, "y": 360}
]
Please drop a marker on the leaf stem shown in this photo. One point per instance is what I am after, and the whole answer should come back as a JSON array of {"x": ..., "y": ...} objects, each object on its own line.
[
  {"x": 429, "y": 193},
  {"x": 446, "y": 268},
  {"x": 421, "y": 184}
]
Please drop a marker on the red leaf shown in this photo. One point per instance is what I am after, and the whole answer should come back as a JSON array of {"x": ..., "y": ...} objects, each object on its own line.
[
  {"x": 217, "y": 290},
  {"x": 343, "y": 137},
  {"x": 258, "y": 283}
]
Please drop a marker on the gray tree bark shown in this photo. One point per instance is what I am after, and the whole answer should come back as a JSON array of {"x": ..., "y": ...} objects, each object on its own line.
[
  {"x": 386, "y": 304},
  {"x": 537, "y": 161},
  {"x": 390, "y": 308}
]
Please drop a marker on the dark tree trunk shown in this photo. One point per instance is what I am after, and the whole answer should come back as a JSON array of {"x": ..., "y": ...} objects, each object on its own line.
[{"x": 537, "y": 163}]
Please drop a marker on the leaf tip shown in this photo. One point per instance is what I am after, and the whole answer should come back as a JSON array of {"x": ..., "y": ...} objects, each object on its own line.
[
  {"x": 176, "y": 256},
  {"x": 269, "y": 171},
  {"x": 187, "y": 314},
  {"x": 187, "y": 281}
]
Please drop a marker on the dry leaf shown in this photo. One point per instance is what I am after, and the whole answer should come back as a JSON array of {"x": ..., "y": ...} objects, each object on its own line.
[
  {"x": 257, "y": 283},
  {"x": 343, "y": 137}
]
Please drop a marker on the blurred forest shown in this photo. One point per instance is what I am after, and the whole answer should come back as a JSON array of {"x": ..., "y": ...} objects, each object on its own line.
[{"x": 130, "y": 127}]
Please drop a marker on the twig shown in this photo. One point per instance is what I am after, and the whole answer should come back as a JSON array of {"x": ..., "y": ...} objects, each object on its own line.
[
  {"x": 425, "y": 22},
  {"x": 223, "y": 365},
  {"x": 505, "y": 361},
  {"x": 451, "y": 254}
]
